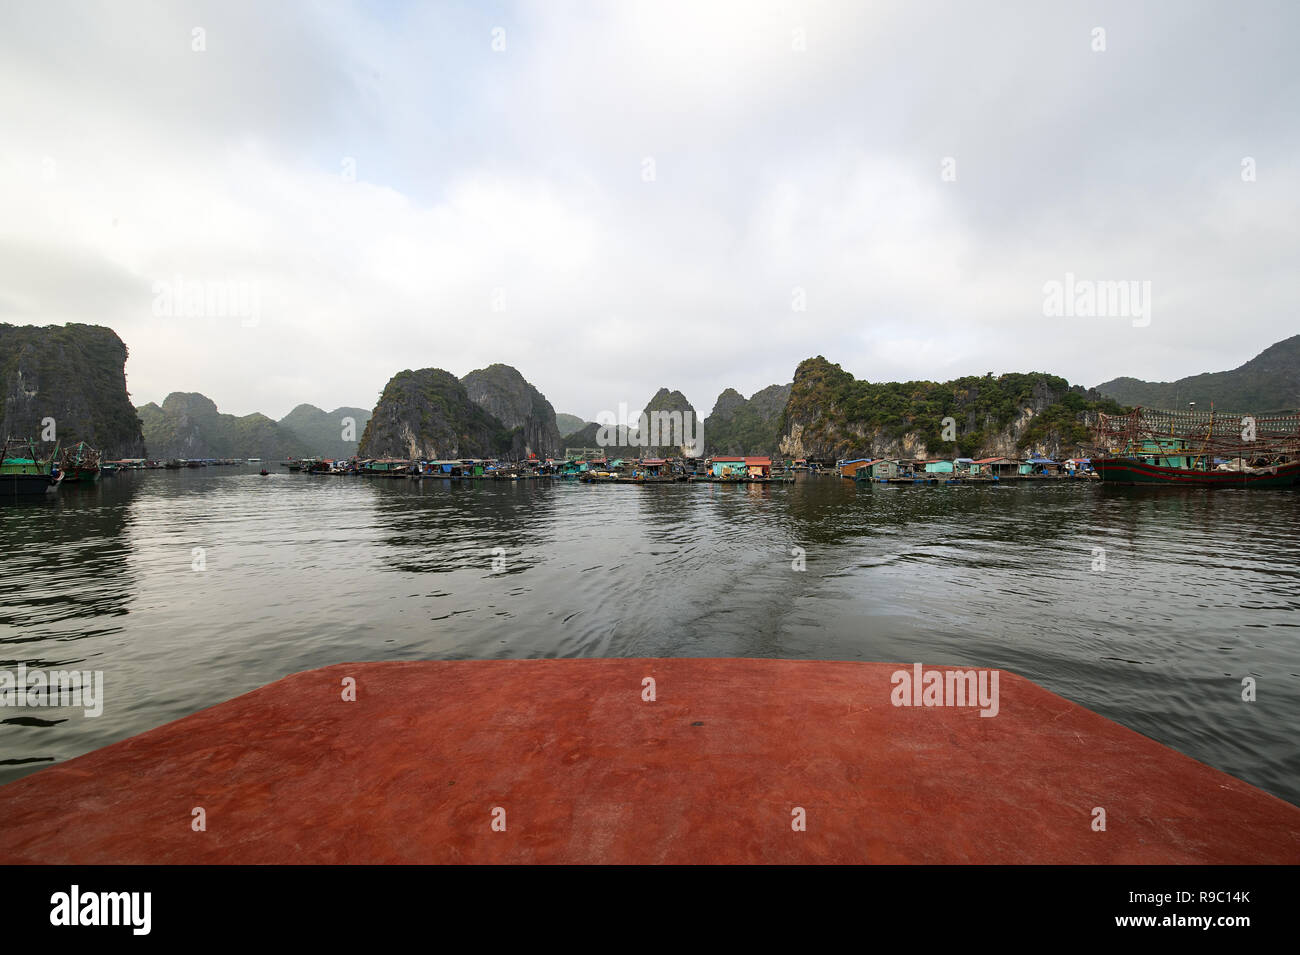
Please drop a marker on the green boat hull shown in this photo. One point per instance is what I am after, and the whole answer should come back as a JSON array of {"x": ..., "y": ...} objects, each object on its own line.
[{"x": 81, "y": 476}]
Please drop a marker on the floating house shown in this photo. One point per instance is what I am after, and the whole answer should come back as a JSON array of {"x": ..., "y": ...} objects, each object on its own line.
[
  {"x": 994, "y": 467},
  {"x": 877, "y": 469},
  {"x": 575, "y": 468},
  {"x": 728, "y": 468},
  {"x": 653, "y": 467},
  {"x": 453, "y": 468},
  {"x": 376, "y": 465},
  {"x": 849, "y": 469},
  {"x": 883, "y": 469},
  {"x": 740, "y": 468}
]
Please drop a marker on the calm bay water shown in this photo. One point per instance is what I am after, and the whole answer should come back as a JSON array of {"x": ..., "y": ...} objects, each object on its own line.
[{"x": 1200, "y": 590}]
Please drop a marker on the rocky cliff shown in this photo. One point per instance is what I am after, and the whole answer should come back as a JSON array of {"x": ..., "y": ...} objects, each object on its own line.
[
  {"x": 74, "y": 374},
  {"x": 325, "y": 431},
  {"x": 429, "y": 414},
  {"x": 670, "y": 425},
  {"x": 832, "y": 415},
  {"x": 1268, "y": 382},
  {"x": 188, "y": 425},
  {"x": 740, "y": 426},
  {"x": 503, "y": 393}
]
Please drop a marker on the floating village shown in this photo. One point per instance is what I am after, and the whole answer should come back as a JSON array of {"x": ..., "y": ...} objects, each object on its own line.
[{"x": 1142, "y": 447}]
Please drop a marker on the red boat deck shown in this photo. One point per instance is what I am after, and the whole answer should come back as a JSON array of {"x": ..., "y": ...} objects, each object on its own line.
[{"x": 581, "y": 769}]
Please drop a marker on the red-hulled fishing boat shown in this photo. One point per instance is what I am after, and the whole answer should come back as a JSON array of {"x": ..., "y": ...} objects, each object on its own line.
[{"x": 1187, "y": 449}]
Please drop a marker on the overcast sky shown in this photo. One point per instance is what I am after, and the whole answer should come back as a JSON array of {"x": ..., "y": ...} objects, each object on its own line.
[{"x": 617, "y": 196}]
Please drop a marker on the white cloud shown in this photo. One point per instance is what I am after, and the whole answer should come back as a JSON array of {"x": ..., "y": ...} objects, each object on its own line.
[{"x": 515, "y": 178}]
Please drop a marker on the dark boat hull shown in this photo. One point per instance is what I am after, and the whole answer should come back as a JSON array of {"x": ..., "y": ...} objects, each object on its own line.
[
  {"x": 24, "y": 485},
  {"x": 1133, "y": 471}
]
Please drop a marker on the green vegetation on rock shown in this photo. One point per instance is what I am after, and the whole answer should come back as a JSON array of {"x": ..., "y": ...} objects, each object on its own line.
[
  {"x": 569, "y": 423},
  {"x": 833, "y": 414},
  {"x": 502, "y": 392},
  {"x": 740, "y": 427},
  {"x": 323, "y": 430},
  {"x": 1268, "y": 382},
  {"x": 668, "y": 405},
  {"x": 428, "y": 414},
  {"x": 74, "y": 374},
  {"x": 188, "y": 425}
]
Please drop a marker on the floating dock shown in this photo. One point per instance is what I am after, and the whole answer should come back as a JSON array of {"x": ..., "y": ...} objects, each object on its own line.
[{"x": 569, "y": 761}]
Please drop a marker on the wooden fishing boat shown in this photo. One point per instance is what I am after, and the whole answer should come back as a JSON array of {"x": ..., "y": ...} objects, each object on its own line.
[
  {"x": 1143, "y": 471},
  {"x": 1186, "y": 449},
  {"x": 23, "y": 473},
  {"x": 80, "y": 464}
]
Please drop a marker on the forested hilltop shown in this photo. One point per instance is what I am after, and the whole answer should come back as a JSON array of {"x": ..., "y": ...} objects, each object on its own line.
[
  {"x": 1268, "y": 382},
  {"x": 831, "y": 414},
  {"x": 188, "y": 425}
]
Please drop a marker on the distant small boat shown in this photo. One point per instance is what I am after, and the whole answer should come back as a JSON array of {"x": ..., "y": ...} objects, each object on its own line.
[{"x": 264, "y": 472}]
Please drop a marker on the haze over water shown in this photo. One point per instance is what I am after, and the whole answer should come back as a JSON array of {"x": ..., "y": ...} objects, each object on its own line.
[{"x": 1200, "y": 590}]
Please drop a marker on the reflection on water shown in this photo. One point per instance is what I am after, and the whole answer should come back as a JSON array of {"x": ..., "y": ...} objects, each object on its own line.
[{"x": 1199, "y": 590}]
